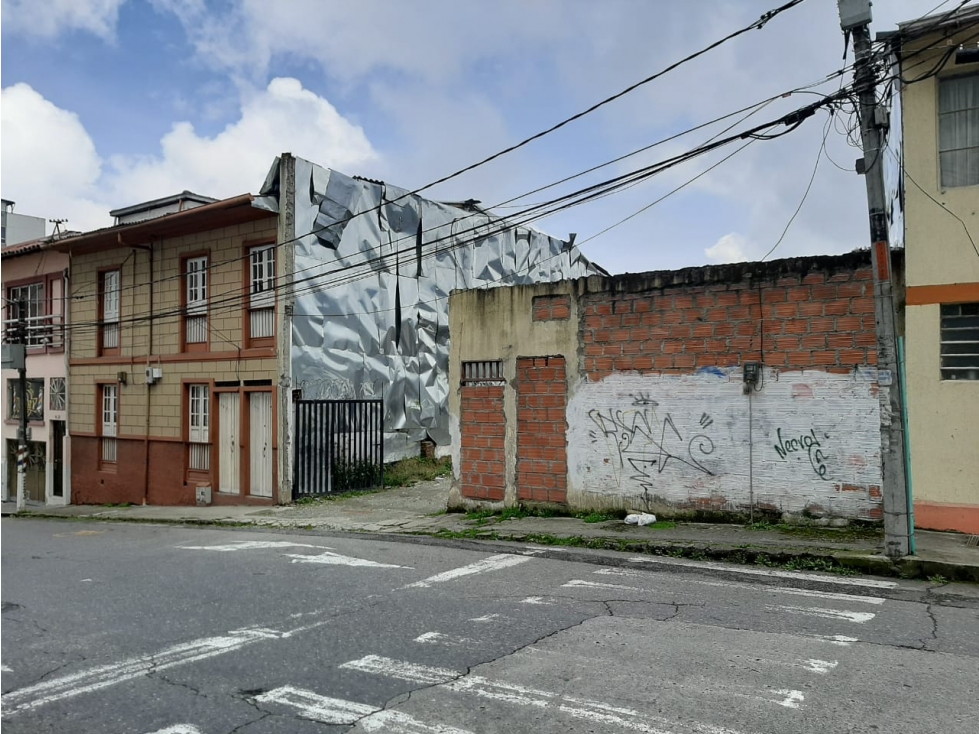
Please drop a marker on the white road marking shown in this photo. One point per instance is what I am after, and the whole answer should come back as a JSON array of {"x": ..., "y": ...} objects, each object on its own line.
[
  {"x": 821, "y": 666},
  {"x": 841, "y": 640},
  {"x": 319, "y": 708},
  {"x": 401, "y": 670},
  {"x": 836, "y": 596},
  {"x": 734, "y": 568},
  {"x": 792, "y": 700},
  {"x": 437, "y": 638},
  {"x": 103, "y": 676},
  {"x": 178, "y": 729},
  {"x": 487, "y": 618},
  {"x": 250, "y": 545},
  {"x": 597, "y": 585},
  {"x": 335, "y": 559},
  {"x": 492, "y": 563},
  {"x": 5, "y": 669},
  {"x": 534, "y": 600},
  {"x": 593, "y": 711},
  {"x": 398, "y": 722},
  {"x": 858, "y": 617}
]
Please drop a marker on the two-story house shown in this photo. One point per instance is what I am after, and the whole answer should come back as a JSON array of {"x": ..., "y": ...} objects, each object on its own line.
[
  {"x": 34, "y": 287},
  {"x": 938, "y": 62}
]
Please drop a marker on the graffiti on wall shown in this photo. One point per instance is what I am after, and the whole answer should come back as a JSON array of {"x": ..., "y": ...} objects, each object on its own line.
[
  {"x": 808, "y": 443},
  {"x": 649, "y": 443}
]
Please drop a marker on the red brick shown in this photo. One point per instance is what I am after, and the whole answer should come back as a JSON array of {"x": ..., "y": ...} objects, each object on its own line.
[
  {"x": 800, "y": 293},
  {"x": 643, "y": 363},
  {"x": 662, "y": 362},
  {"x": 862, "y": 305},
  {"x": 821, "y": 358},
  {"x": 681, "y": 331},
  {"x": 799, "y": 358},
  {"x": 683, "y": 360},
  {"x": 787, "y": 343},
  {"x": 737, "y": 313},
  {"x": 812, "y": 308},
  {"x": 561, "y": 311},
  {"x": 746, "y": 328},
  {"x": 703, "y": 329},
  {"x": 814, "y": 278},
  {"x": 740, "y": 343},
  {"x": 717, "y": 314},
  {"x": 643, "y": 305},
  {"x": 821, "y": 324},
  {"x": 785, "y": 310},
  {"x": 748, "y": 297},
  {"x": 672, "y": 317},
  {"x": 865, "y": 274},
  {"x": 849, "y": 323},
  {"x": 840, "y": 278},
  {"x": 672, "y": 347},
  {"x": 839, "y": 340},
  {"x": 836, "y": 308},
  {"x": 814, "y": 341},
  {"x": 853, "y": 356},
  {"x": 824, "y": 292},
  {"x": 682, "y": 302},
  {"x": 729, "y": 298},
  {"x": 774, "y": 296},
  {"x": 865, "y": 339},
  {"x": 724, "y": 329},
  {"x": 851, "y": 290}
]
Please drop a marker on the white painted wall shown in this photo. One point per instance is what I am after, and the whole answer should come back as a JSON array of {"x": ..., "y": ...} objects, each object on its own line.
[{"x": 676, "y": 439}]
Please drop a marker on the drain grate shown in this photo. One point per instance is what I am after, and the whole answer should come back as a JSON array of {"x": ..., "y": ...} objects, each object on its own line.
[{"x": 972, "y": 541}]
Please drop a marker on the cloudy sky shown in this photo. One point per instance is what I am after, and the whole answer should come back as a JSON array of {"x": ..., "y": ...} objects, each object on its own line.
[{"x": 106, "y": 103}]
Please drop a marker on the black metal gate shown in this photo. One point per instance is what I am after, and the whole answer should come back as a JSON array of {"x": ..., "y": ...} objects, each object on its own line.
[{"x": 339, "y": 446}]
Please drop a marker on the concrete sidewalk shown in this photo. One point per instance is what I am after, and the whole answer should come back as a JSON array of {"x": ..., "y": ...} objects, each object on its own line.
[{"x": 420, "y": 509}]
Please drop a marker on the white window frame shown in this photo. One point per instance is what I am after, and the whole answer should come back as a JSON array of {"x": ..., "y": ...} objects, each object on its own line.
[
  {"x": 199, "y": 426},
  {"x": 33, "y": 294},
  {"x": 195, "y": 277},
  {"x": 111, "y": 280},
  {"x": 261, "y": 277},
  {"x": 964, "y": 153},
  {"x": 110, "y": 422}
]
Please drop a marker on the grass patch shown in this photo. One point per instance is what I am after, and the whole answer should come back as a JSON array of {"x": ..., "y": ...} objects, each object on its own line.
[
  {"x": 406, "y": 472},
  {"x": 937, "y": 580},
  {"x": 318, "y": 499},
  {"x": 818, "y": 532},
  {"x": 593, "y": 517}
]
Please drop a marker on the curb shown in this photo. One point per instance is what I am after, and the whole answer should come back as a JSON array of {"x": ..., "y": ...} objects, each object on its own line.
[{"x": 803, "y": 559}]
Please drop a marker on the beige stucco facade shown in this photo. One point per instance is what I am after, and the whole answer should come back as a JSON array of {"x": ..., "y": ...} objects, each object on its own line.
[
  {"x": 942, "y": 268},
  {"x": 153, "y": 442}
]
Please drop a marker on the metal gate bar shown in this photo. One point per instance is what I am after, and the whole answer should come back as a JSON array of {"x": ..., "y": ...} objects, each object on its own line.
[{"x": 339, "y": 446}]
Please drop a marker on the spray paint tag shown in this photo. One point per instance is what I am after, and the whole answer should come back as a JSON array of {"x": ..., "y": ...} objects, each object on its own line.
[{"x": 885, "y": 378}]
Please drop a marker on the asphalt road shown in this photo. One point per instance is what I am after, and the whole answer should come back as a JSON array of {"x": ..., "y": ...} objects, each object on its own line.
[{"x": 142, "y": 629}]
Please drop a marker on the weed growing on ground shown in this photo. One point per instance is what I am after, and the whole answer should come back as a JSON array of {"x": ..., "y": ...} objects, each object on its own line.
[
  {"x": 406, "y": 472},
  {"x": 937, "y": 580}
]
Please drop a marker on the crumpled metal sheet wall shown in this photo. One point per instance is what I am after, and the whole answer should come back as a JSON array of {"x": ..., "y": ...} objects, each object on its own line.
[{"x": 371, "y": 307}]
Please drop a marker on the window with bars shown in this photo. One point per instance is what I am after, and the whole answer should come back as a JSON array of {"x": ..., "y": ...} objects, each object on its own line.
[
  {"x": 195, "y": 279},
  {"x": 958, "y": 130},
  {"x": 261, "y": 306},
  {"x": 110, "y": 423},
  {"x": 960, "y": 341},
  {"x": 109, "y": 329},
  {"x": 199, "y": 435},
  {"x": 482, "y": 373},
  {"x": 31, "y": 296},
  {"x": 35, "y": 399}
]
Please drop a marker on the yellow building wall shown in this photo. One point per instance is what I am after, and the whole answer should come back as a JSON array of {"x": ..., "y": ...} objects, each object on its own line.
[{"x": 942, "y": 267}]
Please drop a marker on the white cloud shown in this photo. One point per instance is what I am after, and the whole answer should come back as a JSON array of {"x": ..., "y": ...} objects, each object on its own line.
[
  {"x": 51, "y": 166},
  {"x": 49, "y": 18},
  {"x": 282, "y": 117},
  {"x": 731, "y": 248}
]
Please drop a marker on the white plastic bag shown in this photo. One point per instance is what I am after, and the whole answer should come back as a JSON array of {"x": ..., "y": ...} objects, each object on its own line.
[{"x": 642, "y": 518}]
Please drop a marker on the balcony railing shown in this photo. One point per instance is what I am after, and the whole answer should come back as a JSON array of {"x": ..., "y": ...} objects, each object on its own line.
[{"x": 42, "y": 331}]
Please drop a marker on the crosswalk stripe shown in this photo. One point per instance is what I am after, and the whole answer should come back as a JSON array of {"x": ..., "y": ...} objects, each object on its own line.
[
  {"x": 834, "y": 595},
  {"x": 335, "y": 559},
  {"x": 398, "y": 722},
  {"x": 747, "y": 570},
  {"x": 593, "y": 711},
  {"x": 580, "y": 583},
  {"x": 439, "y": 638},
  {"x": 323, "y": 709},
  {"x": 858, "y": 617},
  {"x": 492, "y": 563}
]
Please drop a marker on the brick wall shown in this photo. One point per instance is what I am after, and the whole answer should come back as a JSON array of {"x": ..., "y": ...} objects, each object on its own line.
[
  {"x": 552, "y": 308},
  {"x": 821, "y": 319},
  {"x": 483, "y": 468},
  {"x": 542, "y": 458}
]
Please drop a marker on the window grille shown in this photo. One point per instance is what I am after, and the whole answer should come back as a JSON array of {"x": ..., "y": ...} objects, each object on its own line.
[
  {"x": 960, "y": 341},
  {"x": 482, "y": 373}
]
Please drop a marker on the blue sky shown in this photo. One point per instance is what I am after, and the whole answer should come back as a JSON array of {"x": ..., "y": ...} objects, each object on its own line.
[{"x": 110, "y": 102}]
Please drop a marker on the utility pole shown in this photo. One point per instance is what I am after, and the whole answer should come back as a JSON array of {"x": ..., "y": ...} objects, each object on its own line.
[
  {"x": 22, "y": 389},
  {"x": 855, "y": 17}
]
